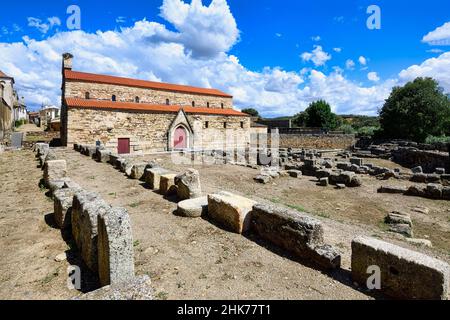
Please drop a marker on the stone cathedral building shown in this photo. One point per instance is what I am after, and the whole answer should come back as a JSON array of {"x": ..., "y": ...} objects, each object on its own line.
[{"x": 136, "y": 116}]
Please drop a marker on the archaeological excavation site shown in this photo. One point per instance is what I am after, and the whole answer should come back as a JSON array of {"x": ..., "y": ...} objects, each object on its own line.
[{"x": 224, "y": 158}]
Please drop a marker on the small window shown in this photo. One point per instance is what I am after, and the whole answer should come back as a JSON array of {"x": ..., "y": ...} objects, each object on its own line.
[
  {"x": 207, "y": 104},
  {"x": 206, "y": 124},
  {"x": 242, "y": 124},
  {"x": 167, "y": 102},
  {"x": 224, "y": 125},
  {"x": 113, "y": 98},
  {"x": 221, "y": 105},
  {"x": 193, "y": 103},
  {"x": 136, "y": 99},
  {"x": 86, "y": 95}
]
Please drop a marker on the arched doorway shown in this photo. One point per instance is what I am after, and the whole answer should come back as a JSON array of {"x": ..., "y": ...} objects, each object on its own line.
[{"x": 180, "y": 138}]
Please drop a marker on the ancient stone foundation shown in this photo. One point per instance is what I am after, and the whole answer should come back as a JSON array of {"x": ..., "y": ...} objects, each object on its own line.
[
  {"x": 231, "y": 211},
  {"x": 405, "y": 274},
  {"x": 296, "y": 233},
  {"x": 115, "y": 247},
  {"x": 54, "y": 170}
]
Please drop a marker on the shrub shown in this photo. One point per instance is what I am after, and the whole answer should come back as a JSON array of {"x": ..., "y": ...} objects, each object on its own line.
[
  {"x": 367, "y": 131},
  {"x": 440, "y": 139},
  {"x": 415, "y": 111},
  {"x": 347, "y": 129}
]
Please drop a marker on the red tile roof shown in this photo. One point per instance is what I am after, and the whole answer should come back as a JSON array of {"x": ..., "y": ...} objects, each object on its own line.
[
  {"x": 97, "y": 78},
  {"x": 106, "y": 104},
  {"x": 3, "y": 75}
]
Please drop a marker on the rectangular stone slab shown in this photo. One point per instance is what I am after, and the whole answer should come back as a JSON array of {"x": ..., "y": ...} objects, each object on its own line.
[
  {"x": 154, "y": 176},
  {"x": 55, "y": 170},
  {"x": 231, "y": 211},
  {"x": 405, "y": 274},
  {"x": 167, "y": 184},
  {"x": 115, "y": 247},
  {"x": 63, "y": 199},
  {"x": 296, "y": 233}
]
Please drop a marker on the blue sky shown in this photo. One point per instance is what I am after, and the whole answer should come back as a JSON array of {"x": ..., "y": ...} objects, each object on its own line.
[{"x": 260, "y": 41}]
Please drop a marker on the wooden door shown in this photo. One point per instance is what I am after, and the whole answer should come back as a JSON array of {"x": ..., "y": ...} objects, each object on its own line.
[
  {"x": 180, "y": 138},
  {"x": 123, "y": 146}
]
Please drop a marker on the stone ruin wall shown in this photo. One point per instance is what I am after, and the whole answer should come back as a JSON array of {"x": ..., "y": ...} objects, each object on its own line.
[
  {"x": 318, "y": 142},
  {"x": 428, "y": 160},
  {"x": 148, "y": 132},
  {"x": 99, "y": 91}
]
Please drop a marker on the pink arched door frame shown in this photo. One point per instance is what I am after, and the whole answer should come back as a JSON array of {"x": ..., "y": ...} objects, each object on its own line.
[{"x": 180, "y": 138}]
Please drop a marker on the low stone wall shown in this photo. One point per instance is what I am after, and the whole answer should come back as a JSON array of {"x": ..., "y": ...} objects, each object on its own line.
[
  {"x": 316, "y": 141},
  {"x": 428, "y": 160}
]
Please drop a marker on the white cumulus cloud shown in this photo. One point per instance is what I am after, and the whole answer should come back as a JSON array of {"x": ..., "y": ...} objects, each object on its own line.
[
  {"x": 44, "y": 26},
  {"x": 362, "y": 60},
  {"x": 317, "y": 56},
  {"x": 439, "y": 36},
  {"x": 373, "y": 76}
]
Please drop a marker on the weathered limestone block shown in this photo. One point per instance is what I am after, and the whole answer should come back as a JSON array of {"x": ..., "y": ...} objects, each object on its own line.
[
  {"x": 193, "y": 208},
  {"x": 434, "y": 191},
  {"x": 167, "y": 184},
  {"x": 294, "y": 173},
  {"x": 356, "y": 161},
  {"x": 446, "y": 193},
  {"x": 139, "y": 288},
  {"x": 90, "y": 151},
  {"x": 392, "y": 189},
  {"x": 55, "y": 185},
  {"x": 41, "y": 149},
  {"x": 63, "y": 199},
  {"x": 55, "y": 170},
  {"x": 417, "y": 169},
  {"x": 103, "y": 156},
  {"x": 113, "y": 159},
  {"x": 323, "y": 182},
  {"x": 85, "y": 210},
  {"x": 230, "y": 210},
  {"x": 419, "y": 177},
  {"x": 138, "y": 170},
  {"x": 295, "y": 232},
  {"x": 188, "y": 185},
  {"x": 50, "y": 155},
  {"x": 440, "y": 171},
  {"x": 154, "y": 177},
  {"x": 396, "y": 217},
  {"x": 115, "y": 247},
  {"x": 80, "y": 199},
  {"x": 262, "y": 178},
  {"x": 120, "y": 164},
  {"x": 405, "y": 274},
  {"x": 325, "y": 173}
]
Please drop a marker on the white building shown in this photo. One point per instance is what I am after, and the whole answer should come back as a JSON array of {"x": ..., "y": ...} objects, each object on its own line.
[{"x": 48, "y": 114}]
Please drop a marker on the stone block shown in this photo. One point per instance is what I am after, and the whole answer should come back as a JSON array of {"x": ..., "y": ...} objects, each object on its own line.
[
  {"x": 138, "y": 170},
  {"x": 294, "y": 173},
  {"x": 356, "y": 161},
  {"x": 167, "y": 184},
  {"x": 85, "y": 210},
  {"x": 392, "y": 189},
  {"x": 115, "y": 247},
  {"x": 154, "y": 177},
  {"x": 434, "y": 191},
  {"x": 63, "y": 199},
  {"x": 323, "y": 182},
  {"x": 231, "y": 211},
  {"x": 405, "y": 274},
  {"x": 262, "y": 178},
  {"x": 188, "y": 185},
  {"x": 103, "y": 156},
  {"x": 440, "y": 171},
  {"x": 193, "y": 208},
  {"x": 294, "y": 232},
  {"x": 417, "y": 169},
  {"x": 446, "y": 193},
  {"x": 55, "y": 170}
]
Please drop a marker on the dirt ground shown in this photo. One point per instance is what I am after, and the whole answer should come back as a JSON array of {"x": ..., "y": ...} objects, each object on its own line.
[{"x": 193, "y": 258}]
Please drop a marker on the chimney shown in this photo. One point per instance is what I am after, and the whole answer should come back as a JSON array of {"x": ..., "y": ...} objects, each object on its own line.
[{"x": 67, "y": 61}]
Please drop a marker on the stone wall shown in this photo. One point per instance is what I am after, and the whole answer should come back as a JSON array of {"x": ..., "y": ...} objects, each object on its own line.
[
  {"x": 148, "y": 131},
  {"x": 428, "y": 160},
  {"x": 5, "y": 120},
  {"x": 320, "y": 142},
  {"x": 100, "y": 91}
]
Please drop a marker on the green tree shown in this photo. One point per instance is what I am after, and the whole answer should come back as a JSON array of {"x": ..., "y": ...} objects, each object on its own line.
[
  {"x": 415, "y": 111},
  {"x": 251, "y": 111},
  {"x": 318, "y": 115}
]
